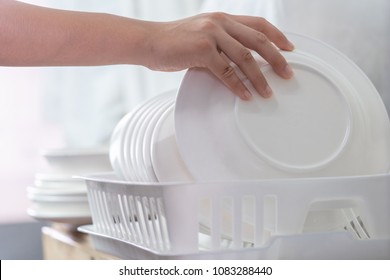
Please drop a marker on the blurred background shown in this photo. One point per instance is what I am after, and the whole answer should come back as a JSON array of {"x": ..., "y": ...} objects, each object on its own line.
[{"x": 49, "y": 107}]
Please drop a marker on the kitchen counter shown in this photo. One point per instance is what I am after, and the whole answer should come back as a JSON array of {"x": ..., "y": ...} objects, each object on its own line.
[{"x": 61, "y": 243}]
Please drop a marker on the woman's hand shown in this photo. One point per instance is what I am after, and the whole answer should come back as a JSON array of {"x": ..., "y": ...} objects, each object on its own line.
[
  {"x": 37, "y": 36},
  {"x": 213, "y": 40}
]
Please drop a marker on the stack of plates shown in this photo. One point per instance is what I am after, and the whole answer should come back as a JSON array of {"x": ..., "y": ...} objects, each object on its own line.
[
  {"x": 327, "y": 120},
  {"x": 143, "y": 144},
  {"x": 57, "y": 196}
]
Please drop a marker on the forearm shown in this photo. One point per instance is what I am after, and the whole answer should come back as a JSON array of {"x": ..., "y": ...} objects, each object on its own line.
[
  {"x": 34, "y": 36},
  {"x": 37, "y": 36}
]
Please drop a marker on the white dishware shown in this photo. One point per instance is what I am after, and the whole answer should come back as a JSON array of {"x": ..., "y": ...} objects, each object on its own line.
[
  {"x": 60, "y": 217},
  {"x": 76, "y": 198},
  {"x": 327, "y": 120},
  {"x": 144, "y": 174},
  {"x": 128, "y": 136},
  {"x": 59, "y": 195},
  {"x": 59, "y": 192},
  {"x": 131, "y": 133},
  {"x": 131, "y": 138},
  {"x": 59, "y": 198},
  {"x": 166, "y": 160},
  {"x": 62, "y": 206},
  {"x": 55, "y": 182},
  {"x": 77, "y": 161},
  {"x": 135, "y": 143},
  {"x": 115, "y": 152},
  {"x": 145, "y": 142}
]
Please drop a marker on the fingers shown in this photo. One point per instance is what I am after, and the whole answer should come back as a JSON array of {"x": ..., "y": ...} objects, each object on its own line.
[
  {"x": 243, "y": 58},
  {"x": 241, "y": 33},
  {"x": 268, "y": 29},
  {"x": 226, "y": 73},
  {"x": 259, "y": 42}
]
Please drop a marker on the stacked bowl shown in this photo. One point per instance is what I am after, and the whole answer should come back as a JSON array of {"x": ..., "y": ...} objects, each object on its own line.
[{"x": 57, "y": 195}]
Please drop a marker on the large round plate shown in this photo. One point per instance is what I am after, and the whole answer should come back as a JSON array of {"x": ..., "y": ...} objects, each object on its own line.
[{"x": 328, "y": 120}]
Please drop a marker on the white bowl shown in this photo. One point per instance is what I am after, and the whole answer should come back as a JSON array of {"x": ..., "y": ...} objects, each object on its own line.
[{"x": 77, "y": 161}]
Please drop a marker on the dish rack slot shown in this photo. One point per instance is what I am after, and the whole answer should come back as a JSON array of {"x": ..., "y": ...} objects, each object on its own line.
[
  {"x": 336, "y": 215},
  {"x": 232, "y": 221},
  {"x": 138, "y": 219}
]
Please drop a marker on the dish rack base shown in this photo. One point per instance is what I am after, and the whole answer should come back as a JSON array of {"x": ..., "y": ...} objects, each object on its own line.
[
  {"x": 322, "y": 246},
  {"x": 310, "y": 218}
]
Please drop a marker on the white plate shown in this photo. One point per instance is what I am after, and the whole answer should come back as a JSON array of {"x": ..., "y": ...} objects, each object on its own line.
[
  {"x": 57, "y": 191},
  {"x": 166, "y": 161},
  {"x": 57, "y": 178},
  {"x": 59, "y": 210},
  {"x": 73, "y": 219},
  {"x": 135, "y": 143},
  {"x": 127, "y": 137},
  {"x": 58, "y": 182},
  {"x": 147, "y": 175},
  {"x": 76, "y": 161},
  {"x": 328, "y": 120},
  {"x": 64, "y": 199},
  {"x": 144, "y": 150},
  {"x": 132, "y": 173},
  {"x": 115, "y": 145},
  {"x": 64, "y": 153}
]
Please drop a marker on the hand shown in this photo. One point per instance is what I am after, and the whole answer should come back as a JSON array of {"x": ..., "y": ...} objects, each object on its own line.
[
  {"x": 48, "y": 37},
  {"x": 211, "y": 40}
]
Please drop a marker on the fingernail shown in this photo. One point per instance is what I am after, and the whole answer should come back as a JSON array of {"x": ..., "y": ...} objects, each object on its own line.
[
  {"x": 291, "y": 45},
  {"x": 247, "y": 95},
  {"x": 288, "y": 72},
  {"x": 267, "y": 92}
]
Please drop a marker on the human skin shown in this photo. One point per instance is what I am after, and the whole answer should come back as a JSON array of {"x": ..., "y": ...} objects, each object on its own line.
[{"x": 38, "y": 36}]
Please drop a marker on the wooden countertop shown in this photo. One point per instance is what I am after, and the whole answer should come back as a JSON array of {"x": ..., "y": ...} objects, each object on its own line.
[{"x": 63, "y": 243}]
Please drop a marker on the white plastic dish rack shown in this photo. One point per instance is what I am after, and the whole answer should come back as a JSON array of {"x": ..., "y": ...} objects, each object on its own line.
[{"x": 311, "y": 218}]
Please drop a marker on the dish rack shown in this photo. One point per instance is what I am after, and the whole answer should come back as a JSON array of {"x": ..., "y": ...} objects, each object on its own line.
[{"x": 311, "y": 218}]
